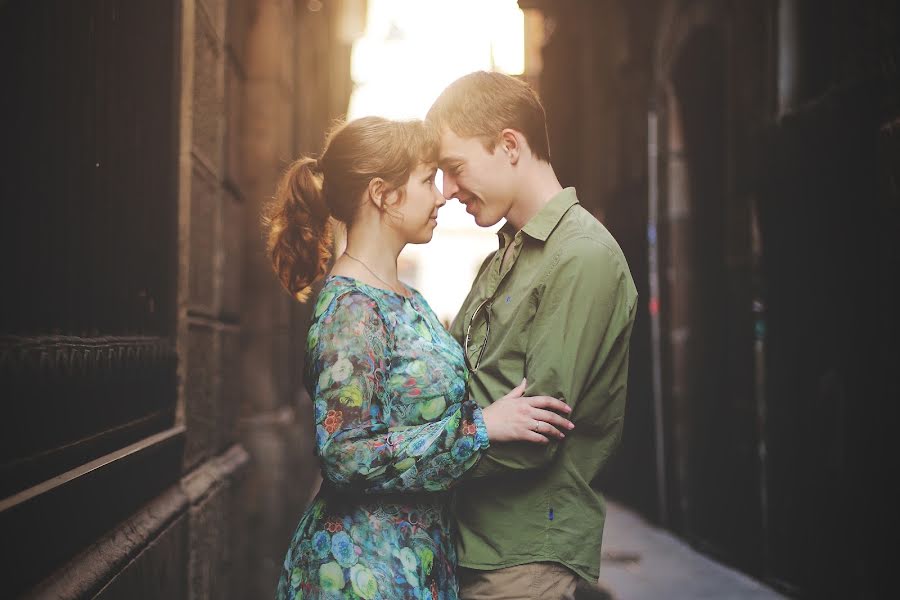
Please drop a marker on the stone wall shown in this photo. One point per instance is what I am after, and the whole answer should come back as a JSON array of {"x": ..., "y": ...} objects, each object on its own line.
[{"x": 205, "y": 506}]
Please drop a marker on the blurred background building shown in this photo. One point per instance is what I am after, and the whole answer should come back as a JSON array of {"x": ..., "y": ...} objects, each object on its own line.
[
  {"x": 746, "y": 154},
  {"x": 154, "y": 439}
]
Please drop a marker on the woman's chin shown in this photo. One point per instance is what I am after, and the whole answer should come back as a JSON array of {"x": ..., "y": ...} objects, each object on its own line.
[{"x": 424, "y": 238}]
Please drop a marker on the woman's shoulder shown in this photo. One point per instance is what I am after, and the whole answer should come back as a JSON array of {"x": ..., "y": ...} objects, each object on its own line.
[
  {"x": 345, "y": 293},
  {"x": 345, "y": 314}
]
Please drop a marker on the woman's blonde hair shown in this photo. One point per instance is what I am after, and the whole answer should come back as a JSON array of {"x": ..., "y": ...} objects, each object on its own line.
[{"x": 313, "y": 191}]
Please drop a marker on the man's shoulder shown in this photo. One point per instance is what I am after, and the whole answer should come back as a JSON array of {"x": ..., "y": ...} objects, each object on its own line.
[
  {"x": 580, "y": 234},
  {"x": 583, "y": 244}
]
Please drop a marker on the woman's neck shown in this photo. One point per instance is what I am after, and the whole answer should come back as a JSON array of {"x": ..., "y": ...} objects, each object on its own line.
[{"x": 377, "y": 252}]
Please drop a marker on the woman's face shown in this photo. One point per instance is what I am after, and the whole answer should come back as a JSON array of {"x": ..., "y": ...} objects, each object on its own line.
[{"x": 415, "y": 216}]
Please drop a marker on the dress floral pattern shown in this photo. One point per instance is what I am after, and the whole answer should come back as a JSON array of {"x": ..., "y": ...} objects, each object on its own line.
[{"x": 394, "y": 432}]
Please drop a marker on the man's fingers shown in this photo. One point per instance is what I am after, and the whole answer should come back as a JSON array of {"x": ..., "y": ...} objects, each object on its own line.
[
  {"x": 549, "y": 403},
  {"x": 552, "y": 418}
]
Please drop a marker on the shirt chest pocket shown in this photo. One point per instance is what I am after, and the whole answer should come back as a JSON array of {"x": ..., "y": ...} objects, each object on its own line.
[{"x": 511, "y": 319}]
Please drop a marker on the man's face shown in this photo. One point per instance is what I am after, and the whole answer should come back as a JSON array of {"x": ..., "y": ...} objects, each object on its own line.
[{"x": 479, "y": 179}]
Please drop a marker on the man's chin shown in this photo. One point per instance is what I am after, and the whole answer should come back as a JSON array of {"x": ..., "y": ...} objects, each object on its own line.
[
  {"x": 478, "y": 213},
  {"x": 485, "y": 221}
]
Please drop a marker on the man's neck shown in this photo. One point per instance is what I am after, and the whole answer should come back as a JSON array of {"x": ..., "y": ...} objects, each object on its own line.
[{"x": 537, "y": 188}]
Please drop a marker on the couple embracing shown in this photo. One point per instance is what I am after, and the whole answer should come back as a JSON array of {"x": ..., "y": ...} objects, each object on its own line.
[{"x": 460, "y": 463}]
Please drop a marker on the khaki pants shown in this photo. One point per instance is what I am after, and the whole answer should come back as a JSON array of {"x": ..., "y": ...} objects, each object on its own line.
[{"x": 534, "y": 581}]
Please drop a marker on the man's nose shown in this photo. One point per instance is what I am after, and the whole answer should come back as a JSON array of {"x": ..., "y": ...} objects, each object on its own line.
[{"x": 449, "y": 187}]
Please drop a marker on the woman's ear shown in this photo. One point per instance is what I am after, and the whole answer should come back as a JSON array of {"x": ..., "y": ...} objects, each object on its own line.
[
  {"x": 377, "y": 192},
  {"x": 511, "y": 142}
]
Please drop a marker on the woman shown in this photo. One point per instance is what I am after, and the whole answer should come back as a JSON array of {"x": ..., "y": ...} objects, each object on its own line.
[{"x": 394, "y": 429}]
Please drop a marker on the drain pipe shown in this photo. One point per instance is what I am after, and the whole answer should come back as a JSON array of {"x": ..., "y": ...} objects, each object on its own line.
[{"x": 653, "y": 308}]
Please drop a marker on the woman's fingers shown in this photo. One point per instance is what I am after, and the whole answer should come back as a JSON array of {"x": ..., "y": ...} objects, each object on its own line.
[
  {"x": 517, "y": 391},
  {"x": 528, "y": 429},
  {"x": 552, "y": 418},
  {"x": 536, "y": 433},
  {"x": 527, "y": 418},
  {"x": 535, "y": 437},
  {"x": 545, "y": 429},
  {"x": 549, "y": 403}
]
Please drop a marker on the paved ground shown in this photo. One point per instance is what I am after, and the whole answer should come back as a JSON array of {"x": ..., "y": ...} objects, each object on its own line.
[{"x": 642, "y": 562}]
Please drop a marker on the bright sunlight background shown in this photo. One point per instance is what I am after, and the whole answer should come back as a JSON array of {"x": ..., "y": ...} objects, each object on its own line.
[{"x": 411, "y": 50}]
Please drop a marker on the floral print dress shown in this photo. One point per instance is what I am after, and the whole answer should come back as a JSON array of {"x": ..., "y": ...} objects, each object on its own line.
[{"x": 394, "y": 432}]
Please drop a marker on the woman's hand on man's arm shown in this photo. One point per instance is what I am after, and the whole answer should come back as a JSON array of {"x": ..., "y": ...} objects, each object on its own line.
[{"x": 519, "y": 418}]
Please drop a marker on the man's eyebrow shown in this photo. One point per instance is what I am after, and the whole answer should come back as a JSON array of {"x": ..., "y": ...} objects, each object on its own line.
[{"x": 445, "y": 161}]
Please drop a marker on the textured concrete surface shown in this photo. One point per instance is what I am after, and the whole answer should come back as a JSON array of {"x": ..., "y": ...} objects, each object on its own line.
[{"x": 642, "y": 562}]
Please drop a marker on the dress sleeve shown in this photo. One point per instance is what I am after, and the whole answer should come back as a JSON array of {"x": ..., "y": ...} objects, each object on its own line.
[{"x": 358, "y": 449}]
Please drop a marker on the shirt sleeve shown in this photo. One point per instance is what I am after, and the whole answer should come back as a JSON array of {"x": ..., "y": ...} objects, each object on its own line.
[
  {"x": 577, "y": 351},
  {"x": 357, "y": 447}
]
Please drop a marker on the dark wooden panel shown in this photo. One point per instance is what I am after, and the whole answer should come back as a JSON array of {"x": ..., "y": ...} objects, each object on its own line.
[
  {"x": 829, "y": 242},
  {"x": 90, "y": 135},
  {"x": 89, "y": 240},
  {"x": 88, "y": 250},
  {"x": 47, "y": 524},
  {"x": 71, "y": 399},
  {"x": 160, "y": 571}
]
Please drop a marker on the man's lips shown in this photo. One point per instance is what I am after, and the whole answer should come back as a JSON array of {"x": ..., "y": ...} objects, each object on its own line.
[{"x": 467, "y": 201}]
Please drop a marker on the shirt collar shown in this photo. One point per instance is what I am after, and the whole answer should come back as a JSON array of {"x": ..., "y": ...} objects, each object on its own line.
[{"x": 545, "y": 221}]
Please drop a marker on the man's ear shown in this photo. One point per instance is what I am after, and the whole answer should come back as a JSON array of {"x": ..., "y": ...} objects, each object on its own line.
[
  {"x": 376, "y": 193},
  {"x": 512, "y": 143}
]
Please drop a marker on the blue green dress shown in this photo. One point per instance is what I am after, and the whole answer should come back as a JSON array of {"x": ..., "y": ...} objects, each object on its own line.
[{"x": 394, "y": 432}]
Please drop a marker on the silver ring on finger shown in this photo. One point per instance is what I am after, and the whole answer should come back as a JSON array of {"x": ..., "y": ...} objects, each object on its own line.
[{"x": 537, "y": 426}]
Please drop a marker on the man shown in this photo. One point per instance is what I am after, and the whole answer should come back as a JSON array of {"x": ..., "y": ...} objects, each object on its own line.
[{"x": 554, "y": 305}]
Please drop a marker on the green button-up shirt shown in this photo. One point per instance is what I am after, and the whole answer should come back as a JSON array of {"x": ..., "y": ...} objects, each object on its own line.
[{"x": 561, "y": 313}]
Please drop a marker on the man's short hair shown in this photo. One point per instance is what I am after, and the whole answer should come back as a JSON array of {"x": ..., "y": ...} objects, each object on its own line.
[{"x": 483, "y": 104}]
